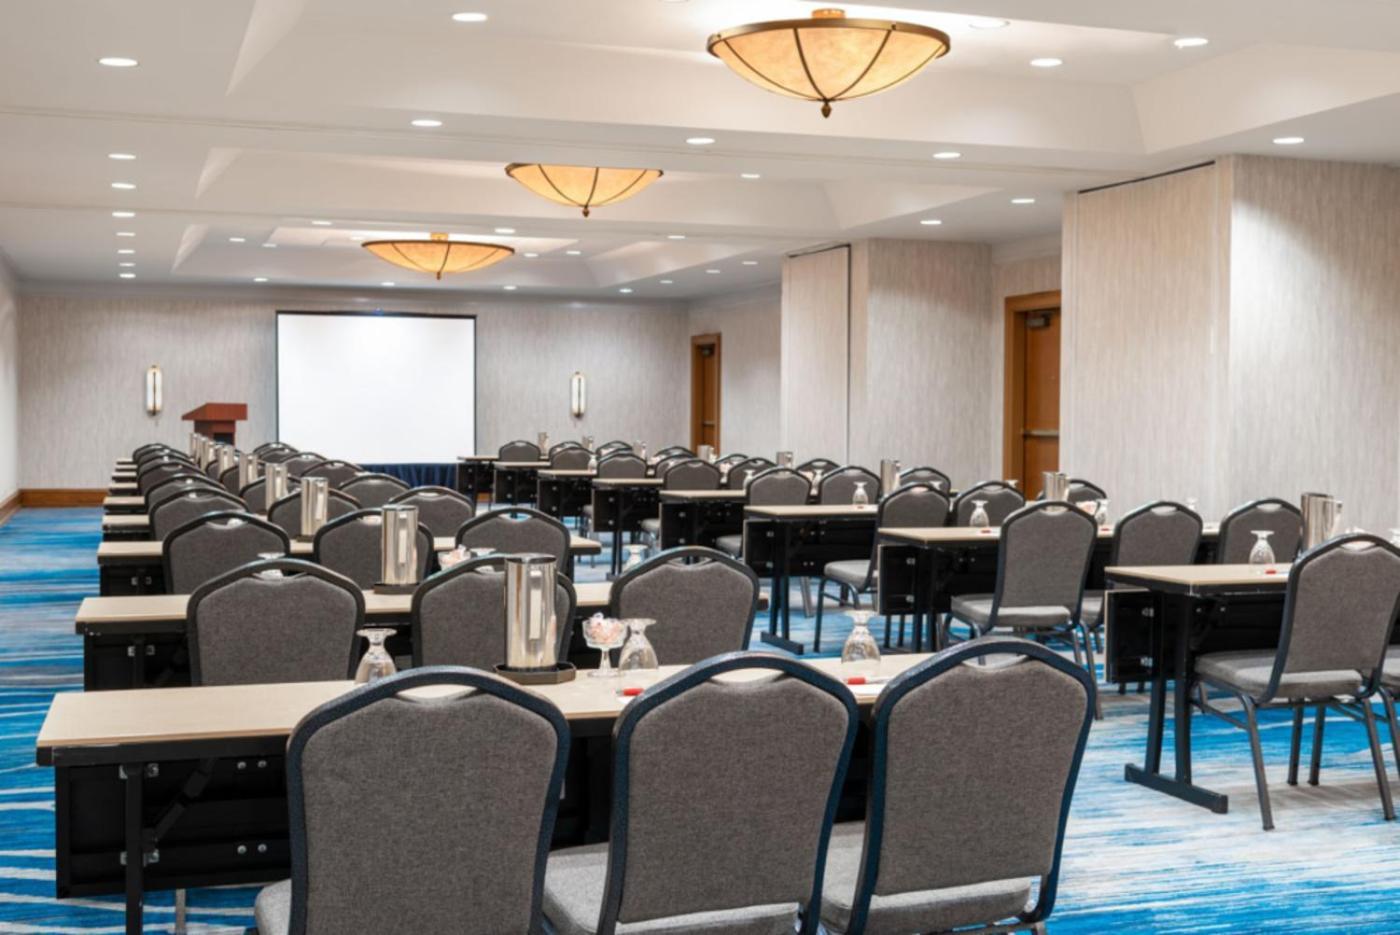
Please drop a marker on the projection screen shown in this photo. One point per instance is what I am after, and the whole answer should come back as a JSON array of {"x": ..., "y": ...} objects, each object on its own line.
[{"x": 377, "y": 387}]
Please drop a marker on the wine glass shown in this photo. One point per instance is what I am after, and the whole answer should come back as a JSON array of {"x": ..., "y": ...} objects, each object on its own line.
[
  {"x": 1262, "y": 554},
  {"x": 748, "y": 476},
  {"x": 638, "y": 655},
  {"x": 635, "y": 554},
  {"x": 376, "y": 663},
  {"x": 604, "y": 634},
  {"x": 861, "y": 652},
  {"x": 979, "y": 515},
  {"x": 860, "y": 498},
  {"x": 1101, "y": 515},
  {"x": 270, "y": 572}
]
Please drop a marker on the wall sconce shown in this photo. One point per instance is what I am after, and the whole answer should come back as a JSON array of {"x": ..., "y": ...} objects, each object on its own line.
[
  {"x": 155, "y": 397},
  {"x": 578, "y": 395}
]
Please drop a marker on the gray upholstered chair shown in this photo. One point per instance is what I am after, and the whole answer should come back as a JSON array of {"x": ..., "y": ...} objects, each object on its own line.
[
  {"x": 255, "y": 493},
  {"x": 176, "y": 485},
  {"x": 266, "y": 447},
  {"x": 352, "y": 545},
  {"x": 153, "y": 472},
  {"x": 210, "y": 545},
  {"x": 560, "y": 446},
  {"x": 373, "y": 490},
  {"x": 734, "y": 478},
  {"x": 1042, "y": 561},
  {"x": 996, "y": 707},
  {"x": 926, "y": 475},
  {"x": 211, "y": 471},
  {"x": 458, "y": 793},
  {"x": 441, "y": 509},
  {"x": 150, "y": 447},
  {"x": 911, "y": 506},
  {"x": 687, "y": 473},
  {"x": 458, "y": 615},
  {"x": 674, "y": 451},
  {"x": 774, "y": 487},
  {"x": 824, "y": 465},
  {"x": 177, "y": 511},
  {"x": 229, "y": 479},
  {"x": 282, "y": 620},
  {"x": 665, "y": 464},
  {"x": 613, "y": 447},
  {"x": 622, "y": 464},
  {"x": 723, "y": 796},
  {"x": 1002, "y": 500},
  {"x": 517, "y": 529},
  {"x": 301, "y": 462},
  {"x": 570, "y": 458},
  {"x": 518, "y": 451},
  {"x": 337, "y": 472},
  {"x": 702, "y": 600},
  {"x": 838, "y": 486},
  {"x": 1338, "y": 615},
  {"x": 287, "y": 511},
  {"x": 1279, "y": 517},
  {"x": 1161, "y": 533},
  {"x": 729, "y": 460}
]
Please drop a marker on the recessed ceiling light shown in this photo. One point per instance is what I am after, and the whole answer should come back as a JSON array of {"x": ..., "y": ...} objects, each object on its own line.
[
  {"x": 127, "y": 275},
  {"x": 531, "y": 255},
  {"x": 930, "y": 222},
  {"x": 118, "y": 61},
  {"x": 947, "y": 154},
  {"x": 508, "y": 288},
  {"x": 750, "y": 262},
  {"x": 269, "y": 246},
  {"x": 126, "y": 233},
  {"x": 700, "y": 140},
  {"x": 712, "y": 272},
  {"x": 624, "y": 290},
  {"x": 259, "y": 279},
  {"x": 124, "y": 186},
  {"x": 1023, "y": 201},
  {"x": 988, "y": 22},
  {"x": 426, "y": 123},
  {"x": 123, "y": 214},
  {"x": 505, "y": 230},
  {"x": 127, "y": 251},
  {"x": 749, "y": 175},
  {"x": 121, "y": 157},
  {"x": 322, "y": 223},
  {"x": 1288, "y": 140},
  {"x": 388, "y": 285},
  {"x": 127, "y": 264},
  {"x": 1190, "y": 42},
  {"x": 469, "y": 17},
  {"x": 1047, "y": 62},
  {"x": 574, "y": 252},
  {"x": 675, "y": 236},
  {"x": 667, "y": 282},
  {"x": 238, "y": 240}
]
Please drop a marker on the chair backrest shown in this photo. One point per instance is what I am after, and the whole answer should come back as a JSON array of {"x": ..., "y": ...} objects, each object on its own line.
[
  {"x": 283, "y": 620},
  {"x": 278, "y": 454},
  {"x": 778, "y": 487},
  {"x": 691, "y": 474},
  {"x": 1082, "y": 491},
  {"x": 255, "y": 494},
  {"x": 730, "y": 460},
  {"x": 229, "y": 479},
  {"x": 671, "y": 451},
  {"x": 211, "y": 471},
  {"x": 1161, "y": 533},
  {"x": 950, "y": 723},
  {"x": 926, "y": 475},
  {"x": 560, "y": 446},
  {"x": 175, "y": 512},
  {"x": 1340, "y": 608},
  {"x": 825, "y": 465},
  {"x": 153, "y": 472},
  {"x": 912, "y": 506},
  {"x": 215, "y": 543},
  {"x": 665, "y": 464},
  {"x": 1279, "y": 517},
  {"x": 462, "y": 789},
  {"x": 352, "y": 545},
  {"x": 571, "y": 457},
  {"x": 1044, "y": 556},
  {"x": 517, "y": 529},
  {"x": 1002, "y": 501},
  {"x": 270, "y": 446},
  {"x": 459, "y": 615},
  {"x": 702, "y": 600},
  {"x": 287, "y": 511},
  {"x": 177, "y": 484},
  {"x": 518, "y": 451},
  {"x": 735, "y": 478},
  {"x": 743, "y": 775},
  {"x": 136, "y": 453},
  {"x": 373, "y": 490},
  {"x": 839, "y": 485},
  {"x": 622, "y": 464},
  {"x": 298, "y": 464},
  {"x": 337, "y": 472},
  {"x": 441, "y": 509},
  {"x": 613, "y": 447}
]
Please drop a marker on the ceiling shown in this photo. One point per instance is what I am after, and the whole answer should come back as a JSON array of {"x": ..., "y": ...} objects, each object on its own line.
[{"x": 252, "y": 119}]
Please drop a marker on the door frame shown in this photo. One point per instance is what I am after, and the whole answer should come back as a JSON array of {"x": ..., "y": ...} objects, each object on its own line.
[
  {"x": 1018, "y": 309},
  {"x": 698, "y": 341}
]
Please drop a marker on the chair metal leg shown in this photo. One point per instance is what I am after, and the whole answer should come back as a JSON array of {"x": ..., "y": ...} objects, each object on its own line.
[
  {"x": 1319, "y": 722},
  {"x": 1378, "y": 759},
  {"x": 1389, "y": 701},
  {"x": 1261, "y": 781},
  {"x": 821, "y": 603},
  {"x": 902, "y": 621},
  {"x": 1295, "y": 746},
  {"x": 181, "y": 920},
  {"x": 806, "y": 597},
  {"x": 889, "y": 622},
  {"x": 1093, "y": 669}
]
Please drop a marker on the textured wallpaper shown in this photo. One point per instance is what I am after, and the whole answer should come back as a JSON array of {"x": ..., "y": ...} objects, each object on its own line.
[
  {"x": 9, "y": 383},
  {"x": 83, "y": 362},
  {"x": 750, "y": 327},
  {"x": 815, "y": 324}
]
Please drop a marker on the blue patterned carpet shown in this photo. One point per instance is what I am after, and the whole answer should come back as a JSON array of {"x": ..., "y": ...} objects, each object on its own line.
[{"x": 1135, "y": 861}]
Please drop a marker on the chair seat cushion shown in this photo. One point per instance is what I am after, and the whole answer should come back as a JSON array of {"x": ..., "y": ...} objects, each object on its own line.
[
  {"x": 651, "y": 525},
  {"x": 851, "y": 572},
  {"x": 929, "y": 910},
  {"x": 734, "y": 545},
  {"x": 976, "y": 609},
  {"x": 1248, "y": 670},
  {"x": 1091, "y": 609},
  {"x": 573, "y": 898},
  {"x": 272, "y": 910}
]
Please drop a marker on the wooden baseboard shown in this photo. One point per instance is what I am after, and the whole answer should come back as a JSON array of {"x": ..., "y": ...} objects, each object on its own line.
[
  {"x": 9, "y": 508},
  {"x": 62, "y": 496}
]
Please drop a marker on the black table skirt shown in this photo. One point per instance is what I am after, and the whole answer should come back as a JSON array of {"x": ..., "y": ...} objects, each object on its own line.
[{"x": 419, "y": 475}]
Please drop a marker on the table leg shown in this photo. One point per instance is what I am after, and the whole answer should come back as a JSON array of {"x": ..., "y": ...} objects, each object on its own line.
[
  {"x": 779, "y": 626},
  {"x": 135, "y": 850}
]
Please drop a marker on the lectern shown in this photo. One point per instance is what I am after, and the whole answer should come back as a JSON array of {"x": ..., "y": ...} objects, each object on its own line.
[{"x": 216, "y": 420}]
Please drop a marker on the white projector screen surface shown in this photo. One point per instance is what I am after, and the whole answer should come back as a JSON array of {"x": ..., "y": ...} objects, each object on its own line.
[{"x": 377, "y": 388}]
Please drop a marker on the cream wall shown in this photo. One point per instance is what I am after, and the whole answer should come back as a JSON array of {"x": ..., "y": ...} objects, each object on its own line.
[
  {"x": 1019, "y": 268},
  {"x": 9, "y": 383},
  {"x": 84, "y": 357},
  {"x": 814, "y": 395},
  {"x": 750, "y": 327}
]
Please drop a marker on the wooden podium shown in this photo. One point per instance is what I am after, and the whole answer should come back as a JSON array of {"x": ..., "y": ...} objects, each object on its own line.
[{"x": 217, "y": 420}]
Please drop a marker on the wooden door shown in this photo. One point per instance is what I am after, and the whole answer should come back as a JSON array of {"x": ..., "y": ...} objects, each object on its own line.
[
  {"x": 1032, "y": 404},
  {"x": 704, "y": 391}
]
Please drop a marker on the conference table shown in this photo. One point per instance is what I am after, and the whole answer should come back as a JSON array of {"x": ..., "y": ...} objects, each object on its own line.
[
  {"x": 514, "y": 481},
  {"x": 193, "y": 779},
  {"x": 563, "y": 493},
  {"x": 699, "y": 517},
  {"x": 475, "y": 475},
  {"x": 619, "y": 506},
  {"x": 115, "y": 504}
]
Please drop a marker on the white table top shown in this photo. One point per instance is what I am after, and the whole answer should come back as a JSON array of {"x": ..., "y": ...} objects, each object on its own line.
[
  {"x": 736, "y": 495},
  {"x": 120, "y": 487},
  {"x": 812, "y": 511},
  {"x": 110, "y": 502},
  {"x": 933, "y": 535},
  {"x": 627, "y": 482},
  {"x": 1196, "y": 576},
  {"x": 151, "y": 549},
  {"x": 568, "y": 473},
  {"x": 520, "y": 465}
]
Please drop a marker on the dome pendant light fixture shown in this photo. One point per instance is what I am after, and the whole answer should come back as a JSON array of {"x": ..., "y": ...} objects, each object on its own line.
[
  {"x": 439, "y": 255},
  {"x": 585, "y": 187},
  {"x": 828, "y": 58}
]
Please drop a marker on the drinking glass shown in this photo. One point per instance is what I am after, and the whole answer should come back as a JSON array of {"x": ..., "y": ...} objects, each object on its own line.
[
  {"x": 376, "y": 663},
  {"x": 817, "y": 477},
  {"x": 635, "y": 554},
  {"x": 1262, "y": 554},
  {"x": 860, "y": 497},
  {"x": 861, "y": 652},
  {"x": 979, "y": 515},
  {"x": 1101, "y": 515},
  {"x": 270, "y": 572},
  {"x": 748, "y": 476},
  {"x": 638, "y": 655},
  {"x": 604, "y": 634}
]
